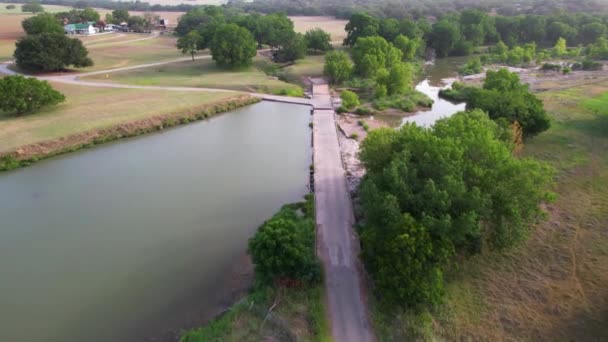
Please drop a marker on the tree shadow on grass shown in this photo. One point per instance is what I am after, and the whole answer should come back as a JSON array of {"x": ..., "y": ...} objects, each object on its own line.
[{"x": 596, "y": 126}]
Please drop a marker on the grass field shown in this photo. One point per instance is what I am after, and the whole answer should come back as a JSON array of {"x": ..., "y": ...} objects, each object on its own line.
[
  {"x": 335, "y": 27},
  {"x": 202, "y": 73},
  {"x": 553, "y": 287},
  {"x": 88, "y": 108},
  {"x": 108, "y": 56}
]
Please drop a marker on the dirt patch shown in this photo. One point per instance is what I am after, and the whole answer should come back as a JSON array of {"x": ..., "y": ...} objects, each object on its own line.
[
  {"x": 351, "y": 126},
  {"x": 25, "y": 155}
]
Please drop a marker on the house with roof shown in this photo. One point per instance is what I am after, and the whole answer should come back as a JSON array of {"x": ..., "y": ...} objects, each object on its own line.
[{"x": 82, "y": 28}]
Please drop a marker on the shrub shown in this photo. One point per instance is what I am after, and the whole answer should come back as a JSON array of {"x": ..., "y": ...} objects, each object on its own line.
[
  {"x": 10, "y": 7},
  {"x": 338, "y": 66},
  {"x": 33, "y": 7},
  {"x": 551, "y": 67},
  {"x": 364, "y": 111},
  {"x": 591, "y": 65},
  {"x": 21, "y": 95},
  {"x": 566, "y": 70},
  {"x": 283, "y": 247},
  {"x": 473, "y": 66},
  {"x": 350, "y": 99},
  {"x": 458, "y": 92}
]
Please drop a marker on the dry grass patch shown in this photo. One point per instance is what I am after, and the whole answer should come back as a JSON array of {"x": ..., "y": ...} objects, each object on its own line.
[
  {"x": 89, "y": 108},
  {"x": 335, "y": 27},
  {"x": 108, "y": 56}
]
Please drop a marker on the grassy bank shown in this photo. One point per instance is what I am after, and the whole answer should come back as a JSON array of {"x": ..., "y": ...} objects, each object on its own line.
[
  {"x": 552, "y": 286},
  {"x": 87, "y": 118},
  {"x": 279, "y": 312},
  {"x": 204, "y": 73}
]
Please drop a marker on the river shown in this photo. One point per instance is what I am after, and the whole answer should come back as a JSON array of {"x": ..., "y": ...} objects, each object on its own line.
[
  {"x": 135, "y": 239},
  {"x": 436, "y": 77}
]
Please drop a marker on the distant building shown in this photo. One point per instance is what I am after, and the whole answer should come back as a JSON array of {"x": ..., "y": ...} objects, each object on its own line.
[{"x": 84, "y": 28}]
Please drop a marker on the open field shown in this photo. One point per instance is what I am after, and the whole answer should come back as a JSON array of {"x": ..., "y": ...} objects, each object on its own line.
[
  {"x": 89, "y": 108},
  {"x": 335, "y": 27},
  {"x": 553, "y": 287},
  {"x": 17, "y": 10},
  {"x": 108, "y": 55},
  {"x": 201, "y": 73}
]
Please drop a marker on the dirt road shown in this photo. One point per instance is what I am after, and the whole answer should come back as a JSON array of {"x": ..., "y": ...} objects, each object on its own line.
[{"x": 337, "y": 243}]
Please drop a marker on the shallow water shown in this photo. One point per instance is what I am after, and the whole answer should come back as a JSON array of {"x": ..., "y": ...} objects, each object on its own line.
[
  {"x": 436, "y": 77},
  {"x": 117, "y": 242}
]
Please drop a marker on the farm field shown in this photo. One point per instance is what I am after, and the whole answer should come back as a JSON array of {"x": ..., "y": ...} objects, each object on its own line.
[
  {"x": 89, "y": 108},
  {"x": 201, "y": 73},
  {"x": 553, "y": 286}
]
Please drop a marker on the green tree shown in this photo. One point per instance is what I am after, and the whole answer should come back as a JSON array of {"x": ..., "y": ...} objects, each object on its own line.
[
  {"x": 33, "y": 7},
  {"x": 283, "y": 247},
  {"x": 10, "y": 7},
  {"x": 503, "y": 97},
  {"x": 444, "y": 37},
  {"x": 558, "y": 29},
  {"x": 360, "y": 25},
  {"x": 397, "y": 80},
  {"x": 389, "y": 29},
  {"x": 317, "y": 40},
  {"x": 431, "y": 193},
  {"x": 408, "y": 47},
  {"x": 42, "y": 23},
  {"x": 120, "y": 16},
  {"x": 294, "y": 48},
  {"x": 233, "y": 46},
  {"x": 50, "y": 52},
  {"x": 371, "y": 54},
  {"x": 22, "y": 95},
  {"x": 338, "y": 66},
  {"x": 188, "y": 44},
  {"x": 560, "y": 48},
  {"x": 350, "y": 99},
  {"x": 89, "y": 14},
  {"x": 589, "y": 33}
]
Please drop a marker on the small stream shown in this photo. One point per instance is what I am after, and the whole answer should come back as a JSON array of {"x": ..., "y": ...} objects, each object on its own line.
[{"x": 437, "y": 76}]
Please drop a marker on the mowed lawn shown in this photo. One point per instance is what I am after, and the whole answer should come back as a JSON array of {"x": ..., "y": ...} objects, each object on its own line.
[
  {"x": 88, "y": 108},
  {"x": 202, "y": 73},
  {"x": 108, "y": 55},
  {"x": 553, "y": 287}
]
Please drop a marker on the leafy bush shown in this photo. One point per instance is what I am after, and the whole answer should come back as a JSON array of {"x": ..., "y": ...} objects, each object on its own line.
[
  {"x": 289, "y": 91},
  {"x": 283, "y": 247},
  {"x": 566, "y": 70},
  {"x": 432, "y": 193},
  {"x": 407, "y": 103},
  {"x": 551, "y": 67},
  {"x": 10, "y": 7},
  {"x": 364, "y": 111},
  {"x": 591, "y": 65},
  {"x": 21, "y": 95},
  {"x": 33, "y": 7},
  {"x": 473, "y": 66},
  {"x": 338, "y": 66},
  {"x": 504, "y": 97},
  {"x": 458, "y": 92},
  {"x": 350, "y": 99}
]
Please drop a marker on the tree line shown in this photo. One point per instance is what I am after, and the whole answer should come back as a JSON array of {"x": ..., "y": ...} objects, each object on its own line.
[
  {"x": 233, "y": 38},
  {"x": 458, "y": 34}
]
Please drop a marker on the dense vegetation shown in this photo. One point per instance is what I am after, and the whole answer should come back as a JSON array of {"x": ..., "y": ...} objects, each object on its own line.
[
  {"x": 505, "y": 99},
  {"x": 275, "y": 30},
  {"x": 50, "y": 52},
  {"x": 283, "y": 251},
  {"x": 24, "y": 95},
  {"x": 432, "y": 194}
]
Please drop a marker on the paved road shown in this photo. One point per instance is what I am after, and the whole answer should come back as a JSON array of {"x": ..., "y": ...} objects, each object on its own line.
[{"x": 337, "y": 243}]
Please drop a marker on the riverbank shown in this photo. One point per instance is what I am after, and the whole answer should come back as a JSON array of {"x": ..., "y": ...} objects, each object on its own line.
[
  {"x": 283, "y": 309},
  {"x": 26, "y": 155}
]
